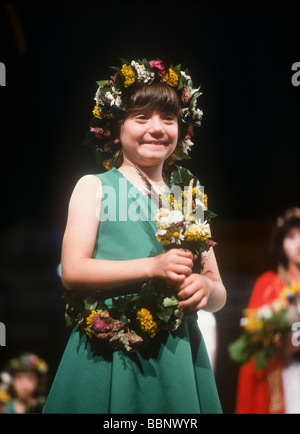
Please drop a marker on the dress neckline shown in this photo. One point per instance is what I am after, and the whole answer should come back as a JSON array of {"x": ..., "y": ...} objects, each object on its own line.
[{"x": 140, "y": 190}]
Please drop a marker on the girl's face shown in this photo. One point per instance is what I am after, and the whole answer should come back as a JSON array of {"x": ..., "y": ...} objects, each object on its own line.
[
  {"x": 25, "y": 384},
  {"x": 148, "y": 139},
  {"x": 291, "y": 246}
]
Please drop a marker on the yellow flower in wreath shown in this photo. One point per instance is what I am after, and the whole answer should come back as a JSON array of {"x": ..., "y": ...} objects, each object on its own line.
[
  {"x": 171, "y": 78},
  {"x": 128, "y": 74},
  {"x": 148, "y": 325}
]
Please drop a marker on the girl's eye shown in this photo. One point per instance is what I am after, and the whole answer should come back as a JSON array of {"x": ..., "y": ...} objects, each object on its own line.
[
  {"x": 141, "y": 117},
  {"x": 169, "y": 118}
]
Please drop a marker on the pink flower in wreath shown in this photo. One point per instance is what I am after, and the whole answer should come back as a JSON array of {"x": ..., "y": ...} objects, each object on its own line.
[
  {"x": 100, "y": 133},
  {"x": 158, "y": 64}
]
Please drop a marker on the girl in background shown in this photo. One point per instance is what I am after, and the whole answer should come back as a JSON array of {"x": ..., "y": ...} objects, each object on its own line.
[
  {"x": 275, "y": 389},
  {"x": 23, "y": 385}
]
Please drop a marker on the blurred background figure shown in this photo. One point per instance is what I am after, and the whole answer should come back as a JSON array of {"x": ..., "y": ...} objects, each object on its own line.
[
  {"x": 23, "y": 385},
  {"x": 275, "y": 389}
]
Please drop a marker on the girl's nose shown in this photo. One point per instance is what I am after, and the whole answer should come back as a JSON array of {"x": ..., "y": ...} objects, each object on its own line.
[{"x": 156, "y": 125}]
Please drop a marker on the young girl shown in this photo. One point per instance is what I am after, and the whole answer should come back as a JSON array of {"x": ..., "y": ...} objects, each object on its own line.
[
  {"x": 141, "y": 112},
  {"x": 275, "y": 389},
  {"x": 24, "y": 382}
]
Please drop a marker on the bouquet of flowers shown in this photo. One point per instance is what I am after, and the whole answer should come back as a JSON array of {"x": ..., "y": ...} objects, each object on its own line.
[
  {"x": 135, "y": 321},
  {"x": 265, "y": 329},
  {"x": 183, "y": 218}
]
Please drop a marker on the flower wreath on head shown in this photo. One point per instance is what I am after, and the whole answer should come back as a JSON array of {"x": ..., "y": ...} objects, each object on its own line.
[
  {"x": 110, "y": 100},
  {"x": 135, "y": 321}
]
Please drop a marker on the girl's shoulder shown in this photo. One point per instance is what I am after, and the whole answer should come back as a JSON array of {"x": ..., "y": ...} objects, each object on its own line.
[
  {"x": 86, "y": 190},
  {"x": 92, "y": 184},
  {"x": 86, "y": 182}
]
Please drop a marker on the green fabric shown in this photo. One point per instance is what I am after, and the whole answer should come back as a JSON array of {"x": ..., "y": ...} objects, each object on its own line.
[{"x": 177, "y": 378}]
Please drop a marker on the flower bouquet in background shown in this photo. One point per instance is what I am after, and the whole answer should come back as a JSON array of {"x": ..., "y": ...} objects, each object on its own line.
[{"x": 265, "y": 330}]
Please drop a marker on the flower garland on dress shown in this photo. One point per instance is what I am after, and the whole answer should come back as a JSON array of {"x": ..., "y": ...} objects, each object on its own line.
[
  {"x": 265, "y": 330},
  {"x": 110, "y": 100}
]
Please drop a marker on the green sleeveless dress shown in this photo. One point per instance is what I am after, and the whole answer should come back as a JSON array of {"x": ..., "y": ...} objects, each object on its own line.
[{"x": 176, "y": 379}]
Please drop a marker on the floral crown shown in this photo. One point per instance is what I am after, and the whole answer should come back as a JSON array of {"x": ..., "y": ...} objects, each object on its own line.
[
  {"x": 28, "y": 361},
  {"x": 110, "y": 100}
]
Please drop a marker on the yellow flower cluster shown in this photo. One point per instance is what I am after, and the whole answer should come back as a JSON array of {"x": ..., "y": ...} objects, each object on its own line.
[
  {"x": 289, "y": 291},
  {"x": 4, "y": 396},
  {"x": 102, "y": 114},
  {"x": 106, "y": 164},
  {"x": 128, "y": 74},
  {"x": 253, "y": 323},
  {"x": 171, "y": 78},
  {"x": 148, "y": 325},
  {"x": 169, "y": 200},
  {"x": 196, "y": 192},
  {"x": 254, "y": 319},
  {"x": 196, "y": 232}
]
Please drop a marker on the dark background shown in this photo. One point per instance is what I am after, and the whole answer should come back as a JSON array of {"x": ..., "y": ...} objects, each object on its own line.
[{"x": 246, "y": 152}]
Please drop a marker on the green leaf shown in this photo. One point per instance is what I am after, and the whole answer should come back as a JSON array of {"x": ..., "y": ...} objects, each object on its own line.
[
  {"x": 239, "y": 351},
  {"x": 165, "y": 314},
  {"x": 124, "y": 61},
  {"x": 182, "y": 177},
  {"x": 90, "y": 303},
  {"x": 177, "y": 69},
  {"x": 69, "y": 320},
  {"x": 195, "y": 96},
  {"x": 101, "y": 82},
  {"x": 170, "y": 301},
  {"x": 260, "y": 359},
  {"x": 210, "y": 214},
  {"x": 99, "y": 156},
  {"x": 183, "y": 156}
]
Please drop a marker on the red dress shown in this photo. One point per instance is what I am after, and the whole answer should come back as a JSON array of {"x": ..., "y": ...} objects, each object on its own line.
[{"x": 262, "y": 391}]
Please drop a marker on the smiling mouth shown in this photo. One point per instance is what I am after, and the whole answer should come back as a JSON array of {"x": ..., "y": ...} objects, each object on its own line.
[{"x": 155, "y": 143}]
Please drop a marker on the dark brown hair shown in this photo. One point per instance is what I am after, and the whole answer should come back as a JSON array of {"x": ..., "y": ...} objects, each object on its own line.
[
  {"x": 275, "y": 255},
  {"x": 158, "y": 97}
]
